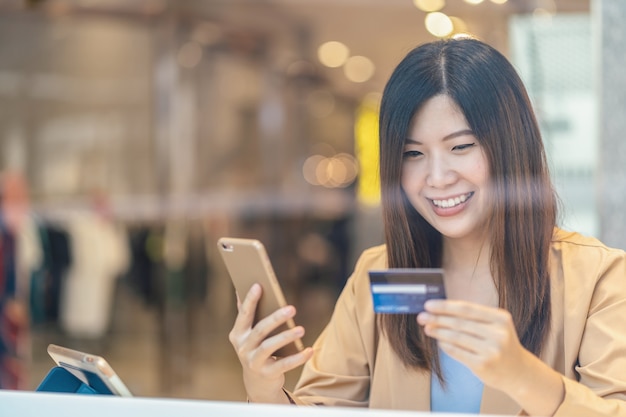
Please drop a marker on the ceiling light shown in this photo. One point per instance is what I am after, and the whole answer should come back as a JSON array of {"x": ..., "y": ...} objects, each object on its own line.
[
  {"x": 333, "y": 54},
  {"x": 309, "y": 169},
  {"x": 438, "y": 24},
  {"x": 358, "y": 69},
  {"x": 429, "y": 5}
]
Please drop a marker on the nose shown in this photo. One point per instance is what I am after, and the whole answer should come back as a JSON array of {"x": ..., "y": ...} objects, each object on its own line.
[{"x": 441, "y": 172}]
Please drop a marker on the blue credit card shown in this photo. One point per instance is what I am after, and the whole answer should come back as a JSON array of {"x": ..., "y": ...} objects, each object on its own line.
[{"x": 404, "y": 291}]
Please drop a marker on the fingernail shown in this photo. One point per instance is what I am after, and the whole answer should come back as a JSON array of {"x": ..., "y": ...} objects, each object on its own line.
[{"x": 423, "y": 318}]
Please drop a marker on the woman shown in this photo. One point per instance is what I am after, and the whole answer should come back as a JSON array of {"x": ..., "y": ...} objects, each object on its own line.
[{"x": 532, "y": 323}]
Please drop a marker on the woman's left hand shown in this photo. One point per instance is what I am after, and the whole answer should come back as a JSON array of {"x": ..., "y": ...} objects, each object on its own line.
[{"x": 482, "y": 338}]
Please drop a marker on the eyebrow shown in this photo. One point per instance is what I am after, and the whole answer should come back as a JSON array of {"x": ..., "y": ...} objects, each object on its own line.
[{"x": 447, "y": 137}]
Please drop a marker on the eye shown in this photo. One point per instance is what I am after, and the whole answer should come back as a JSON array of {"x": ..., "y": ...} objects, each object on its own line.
[
  {"x": 411, "y": 154},
  {"x": 463, "y": 146}
]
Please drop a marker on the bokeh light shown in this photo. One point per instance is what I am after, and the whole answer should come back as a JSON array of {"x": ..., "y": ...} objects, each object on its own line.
[
  {"x": 359, "y": 69},
  {"x": 337, "y": 171},
  {"x": 429, "y": 5},
  {"x": 439, "y": 24},
  {"x": 333, "y": 54}
]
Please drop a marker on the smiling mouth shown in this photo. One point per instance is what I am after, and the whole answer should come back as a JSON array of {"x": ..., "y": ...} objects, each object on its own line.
[{"x": 452, "y": 202}]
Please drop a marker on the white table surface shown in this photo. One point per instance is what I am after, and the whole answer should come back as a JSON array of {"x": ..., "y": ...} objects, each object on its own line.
[{"x": 28, "y": 403}]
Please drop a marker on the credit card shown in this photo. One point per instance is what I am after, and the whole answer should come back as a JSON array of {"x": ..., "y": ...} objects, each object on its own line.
[{"x": 404, "y": 291}]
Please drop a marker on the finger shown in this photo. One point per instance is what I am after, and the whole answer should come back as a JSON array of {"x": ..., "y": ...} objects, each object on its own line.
[
  {"x": 251, "y": 344},
  {"x": 478, "y": 339},
  {"x": 288, "y": 363},
  {"x": 433, "y": 322},
  {"x": 260, "y": 354},
  {"x": 459, "y": 353},
  {"x": 272, "y": 344},
  {"x": 465, "y": 309},
  {"x": 269, "y": 324},
  {"x": 247, "y": 309},
  {"x": 238, "y": 301},
  {"x": 466, "y": 341}
]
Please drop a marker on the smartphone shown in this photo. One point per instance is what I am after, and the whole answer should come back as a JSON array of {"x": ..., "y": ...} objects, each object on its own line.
[
  {"x": 404, "y": 291},
  {"x": 91, "y": 369},
  {"x": 247, "y": 262}
]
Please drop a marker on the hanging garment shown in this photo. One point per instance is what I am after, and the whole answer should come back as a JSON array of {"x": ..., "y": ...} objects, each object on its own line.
[{"x": 100, "y": 255}]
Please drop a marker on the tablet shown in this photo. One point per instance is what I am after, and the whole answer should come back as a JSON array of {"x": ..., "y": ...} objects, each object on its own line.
[
  {"x": 92, "y": 370},
  {"x": 404, "y": 291}
]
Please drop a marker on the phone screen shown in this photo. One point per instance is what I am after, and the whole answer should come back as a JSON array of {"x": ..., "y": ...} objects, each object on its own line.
[{"x": 404, "y": 291}]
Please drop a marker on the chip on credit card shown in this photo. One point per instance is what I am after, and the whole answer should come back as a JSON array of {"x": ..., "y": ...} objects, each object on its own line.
[{"x": 404, "y": 291}]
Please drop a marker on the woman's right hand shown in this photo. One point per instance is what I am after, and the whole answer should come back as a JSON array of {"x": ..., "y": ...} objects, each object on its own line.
[{"x": 264, "y": 374}]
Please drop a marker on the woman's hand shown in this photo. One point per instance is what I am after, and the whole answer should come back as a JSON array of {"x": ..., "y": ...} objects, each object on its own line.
[
  {"x": 264, "y": 374},
  {"x": 485, "y": 340}
]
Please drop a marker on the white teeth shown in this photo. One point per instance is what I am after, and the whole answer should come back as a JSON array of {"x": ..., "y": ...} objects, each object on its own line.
[{"x": 451, "y": 202}]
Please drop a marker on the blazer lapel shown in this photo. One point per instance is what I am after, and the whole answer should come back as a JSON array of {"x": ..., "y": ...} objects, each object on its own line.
[
  {"x": 396, "y": 386},
  {"x": 416, "y": 393}
]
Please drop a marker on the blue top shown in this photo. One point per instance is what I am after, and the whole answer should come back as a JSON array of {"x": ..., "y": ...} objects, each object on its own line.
[{"x": 463, "y": 391}]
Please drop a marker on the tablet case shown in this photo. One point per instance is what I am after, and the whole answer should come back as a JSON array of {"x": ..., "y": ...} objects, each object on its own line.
[{"x": 60, "y": 379}]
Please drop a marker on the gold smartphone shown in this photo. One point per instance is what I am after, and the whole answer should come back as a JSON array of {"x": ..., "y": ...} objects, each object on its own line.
[
  {"x": 93, "y": 370},
  {"x": 247, "y": 262}
]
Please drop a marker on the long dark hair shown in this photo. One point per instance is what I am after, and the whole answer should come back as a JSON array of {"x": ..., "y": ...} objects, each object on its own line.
[{"x": 488, "y": 91}]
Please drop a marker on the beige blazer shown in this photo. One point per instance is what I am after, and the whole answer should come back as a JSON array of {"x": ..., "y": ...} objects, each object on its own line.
[{"x": 354, "y": 365}]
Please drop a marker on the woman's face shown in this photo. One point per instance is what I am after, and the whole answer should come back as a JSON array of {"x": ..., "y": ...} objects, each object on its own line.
[{"x": 445, "y": 173}]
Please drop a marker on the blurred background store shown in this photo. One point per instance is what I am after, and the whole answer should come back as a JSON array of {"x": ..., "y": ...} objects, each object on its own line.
[{"x": 135, "y": 133}]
